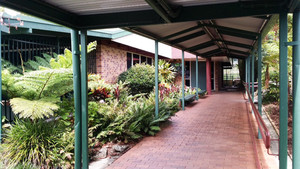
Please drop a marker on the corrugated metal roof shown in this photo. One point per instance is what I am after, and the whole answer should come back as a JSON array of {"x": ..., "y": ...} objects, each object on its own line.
[{"x": 87, "y": 7}]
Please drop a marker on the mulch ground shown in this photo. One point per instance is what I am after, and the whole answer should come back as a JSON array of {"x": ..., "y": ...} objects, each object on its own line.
[{"x": 273, "y": 111}]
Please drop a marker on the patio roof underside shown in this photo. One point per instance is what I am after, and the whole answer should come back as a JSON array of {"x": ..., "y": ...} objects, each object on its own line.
[{"x": 205, "y": 28}]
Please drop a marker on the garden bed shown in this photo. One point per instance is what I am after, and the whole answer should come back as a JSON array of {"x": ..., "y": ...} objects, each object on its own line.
[{"x": 272, "y": 109}]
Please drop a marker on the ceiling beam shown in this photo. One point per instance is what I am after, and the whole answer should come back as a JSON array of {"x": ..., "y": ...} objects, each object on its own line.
[
  {"x": 236, "y": 56},
  {"x": 159, "y": 10},
  {"x": 237, "y": 34},
  {"x": 241, "y": 45},
  {"x": 231, "y": 29},
  {"x": 179, "y": 33},
  {"x": 238, "y": 51},
  {"x": 187, "y": 37},
  {"x": 49, "y": 12},
  {"x": 200, "y": 46},
  {"x": 43, "y": 10},
  {"x": 212, "y": 52}
]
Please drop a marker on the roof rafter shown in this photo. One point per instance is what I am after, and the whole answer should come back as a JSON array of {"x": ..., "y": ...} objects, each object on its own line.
[
  {"x": 237, "y": 34},
  {"x": 188, "y": 37},
  {"x": 241, "y": 45},
  {"x": 200, "y": 46},
  {"x": 179, "y": 33}
]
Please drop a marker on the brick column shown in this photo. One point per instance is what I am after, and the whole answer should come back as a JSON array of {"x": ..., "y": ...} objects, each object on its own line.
[{"x": 208, "y": 76}]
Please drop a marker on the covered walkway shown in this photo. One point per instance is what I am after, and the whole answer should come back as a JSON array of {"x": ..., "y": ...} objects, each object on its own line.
[{"x": 212, "y": 133}]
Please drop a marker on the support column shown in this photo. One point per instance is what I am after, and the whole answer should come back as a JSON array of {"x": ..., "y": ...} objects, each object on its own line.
[
  {"x": 283, "y": 88},
  {"x": 249, "y": 59},
  {"x": 84, "y": 101},
  {"x": 197, "y": 86},
  {"x": 182, "y": 77},
  {"x": 252, "y": 78},
  {"x": 77, "y": 96},
  {"x": 296, "y": 90},
  {"x": 208, "y": 76},
  {"x": 259, "y": 79},
  {"x": 0, "y": 87},
  {"x": 156, "y": 80},
  {"x": 246, "y": 74}
]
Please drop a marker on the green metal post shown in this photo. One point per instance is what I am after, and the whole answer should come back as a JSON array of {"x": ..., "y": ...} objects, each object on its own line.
[
  {"x": 0, "y": 88},
  {"x": 182, "y": 77},
  {"x": 156, "y": 80},
  {"x": 84, "y": 99},
  {"x": 259, "y": 79},
  {"x": 252, "y": 77},
  {"x": 296, "y": 90},
  {"x": 197, "y": 86},
  {"x": 77, "y": 96},
  {"x": 249, "y": 58},
  {"x": 246, "y": 73},
  {"x": 283, "y": 90}
]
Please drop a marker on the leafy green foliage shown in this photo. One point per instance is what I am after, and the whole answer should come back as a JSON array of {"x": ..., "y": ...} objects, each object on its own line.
[
  {"x": 166, "y": 71},
  {"x": 40, "y": 91},
  {"x": 39, "y": 62},
  {"x": 34, "y": 109},
  {"x": 32, "y": 143},
  {"x": 140, "y": 78}
]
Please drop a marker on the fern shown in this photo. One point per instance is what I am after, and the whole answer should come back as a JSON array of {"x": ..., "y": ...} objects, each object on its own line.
[
  {"x": 39, "y": 91},
  {"x": 33, "y": 109}
]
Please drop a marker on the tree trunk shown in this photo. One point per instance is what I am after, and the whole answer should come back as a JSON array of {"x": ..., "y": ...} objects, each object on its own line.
[{"x": 267, "y": 77}]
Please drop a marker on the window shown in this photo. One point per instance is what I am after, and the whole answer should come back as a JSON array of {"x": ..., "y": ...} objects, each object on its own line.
[
  {"x": 129, "y": 60},
  {"x": 133, "y": 59},
  {"x": 143, "y": 59},
  {"x": 149, "y": 61},
  {"x": 136, "y": 59}
]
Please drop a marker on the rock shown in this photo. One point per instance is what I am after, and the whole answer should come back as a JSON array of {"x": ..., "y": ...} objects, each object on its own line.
[
  {"x": 102, "y": 153},
  {"x": 120, "y": 148}
]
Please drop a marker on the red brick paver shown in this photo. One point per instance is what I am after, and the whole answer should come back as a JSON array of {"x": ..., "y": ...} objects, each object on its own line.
[{"x": 213, "y": 133}]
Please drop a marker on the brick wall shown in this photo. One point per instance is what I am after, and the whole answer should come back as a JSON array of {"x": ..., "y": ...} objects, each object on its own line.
[
  {"x": 110, "y": 62},
  {"x": 111, "y": 59}
]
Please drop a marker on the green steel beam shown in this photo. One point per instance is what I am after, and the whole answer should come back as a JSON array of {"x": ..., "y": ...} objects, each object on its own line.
[
  {"x": 239, "y": 31},
  {"x": 212, "y": 52},
  {"x": 241, "y": 45},
  {"x": 21, "y": 31},
  {"x": 159, "y": 10},
  {"x": 188, "y": 13},
  {"x": 187, "y": 37},
  {"x": 182, "y": 79},
  {"x": 156, "y": 80},
  {"x": 296, "y": 91},
  {"x": 236, "y": 56},
  {"x": 259, "y": 70},
  {"x": 283, "y": 90},
  {"x": 200, "y": 46},
  {"x": 197, "y": 86},
  {"x": 237, "y": 34},
  {"x": 0, "y": 87},
  {"x": 84, "y": 99},
  {"x": 144, "y": 17},
  {"x": 77, "y": 96},
  {"x": 43, "y": 10},
  {"x": 237, "y": 51},
  {"x": 179, "y": 33},
  {"x": 4, "y": 29}
]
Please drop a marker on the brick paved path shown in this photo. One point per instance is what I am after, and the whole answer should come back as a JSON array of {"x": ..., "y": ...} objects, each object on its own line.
[{"x": 212, "y": 133}]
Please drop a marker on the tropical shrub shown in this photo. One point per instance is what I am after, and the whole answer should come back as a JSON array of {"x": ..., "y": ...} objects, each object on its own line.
[
  {"x": 140, "y": 78},
  {"x": 98, "y": 89},
  {"x": 166, "y": 71}
]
